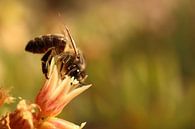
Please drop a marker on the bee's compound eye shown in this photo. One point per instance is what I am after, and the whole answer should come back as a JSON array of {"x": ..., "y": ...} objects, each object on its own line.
[{"x": 78, "y": 70}]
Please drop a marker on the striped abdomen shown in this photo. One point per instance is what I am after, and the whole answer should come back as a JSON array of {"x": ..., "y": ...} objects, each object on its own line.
[{"x": 43, "y": 43}]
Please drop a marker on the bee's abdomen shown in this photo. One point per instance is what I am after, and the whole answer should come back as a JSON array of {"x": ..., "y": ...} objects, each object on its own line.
[{"x": 43, "y": 43}]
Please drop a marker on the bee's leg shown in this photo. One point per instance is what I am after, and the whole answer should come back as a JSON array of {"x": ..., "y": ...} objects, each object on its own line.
[
  {"x": 46, "y": 61},
  {"x": 63, "y": 62},
  {"x": 59, "y": 65}
]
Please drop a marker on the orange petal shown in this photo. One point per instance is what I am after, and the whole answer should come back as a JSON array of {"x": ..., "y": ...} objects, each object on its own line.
[{"x": 56, "y": 123}]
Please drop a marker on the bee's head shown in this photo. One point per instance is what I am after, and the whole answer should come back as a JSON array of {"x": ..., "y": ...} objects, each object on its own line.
[{"x": 79, "y": 75}]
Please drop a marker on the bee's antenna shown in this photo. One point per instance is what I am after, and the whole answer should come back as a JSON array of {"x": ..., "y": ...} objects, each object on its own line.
[{"x": 72, "y": 40}]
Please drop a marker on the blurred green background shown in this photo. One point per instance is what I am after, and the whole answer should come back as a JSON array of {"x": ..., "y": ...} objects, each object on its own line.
[{"x": 140, "y": 58}]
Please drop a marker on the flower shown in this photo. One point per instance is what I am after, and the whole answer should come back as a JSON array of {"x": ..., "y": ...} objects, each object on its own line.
[
  {"x": 57, "y": 93},
  {"x": 53, "y": 97},
  {"x": 49, "y": 102},
  {"x": 5, "y": 97},
  {"x": 21, "y": 118}
]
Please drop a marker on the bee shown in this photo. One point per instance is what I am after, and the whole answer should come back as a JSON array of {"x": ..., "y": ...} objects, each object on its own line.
[{"x": 71, "y": 63}]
